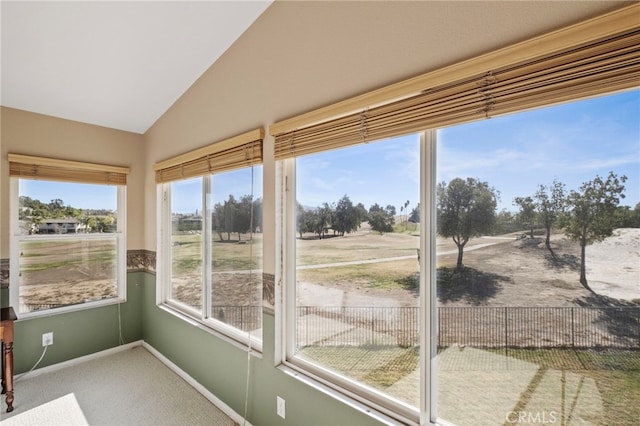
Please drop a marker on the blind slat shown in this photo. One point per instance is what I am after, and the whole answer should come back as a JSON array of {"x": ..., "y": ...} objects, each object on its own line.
[
  {"x": 584, "y": 70},
  {"x": 219, "y": 157},
  {"x": 41, "y": 168}
]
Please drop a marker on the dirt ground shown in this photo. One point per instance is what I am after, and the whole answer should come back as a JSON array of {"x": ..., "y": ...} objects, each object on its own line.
[
  {"x": 510, "y": 271},
  {"x": 503, "y": 271}
]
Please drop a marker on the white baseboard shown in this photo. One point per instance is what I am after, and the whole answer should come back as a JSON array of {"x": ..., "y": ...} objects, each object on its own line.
[
  {"x": 79, "y": 360},
  {"x": 198, "y": 387}
]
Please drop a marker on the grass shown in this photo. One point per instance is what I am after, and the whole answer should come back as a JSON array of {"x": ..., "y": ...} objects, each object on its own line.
[
  {"x": 615, "y": 374},
  {"x": 385, "y": 275}
]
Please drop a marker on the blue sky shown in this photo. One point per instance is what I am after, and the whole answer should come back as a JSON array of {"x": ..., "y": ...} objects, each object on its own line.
[
  {"x": 572, "y": 142},
  {"x": 82, "y": 196},
  {"x": 515, "y": 153}
]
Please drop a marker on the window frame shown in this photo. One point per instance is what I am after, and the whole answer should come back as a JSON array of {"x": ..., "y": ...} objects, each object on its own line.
[
  {"x": 120, "y": 236},
  {"x": 202, "y": 316},
  {"x": 391, "y": 408}
]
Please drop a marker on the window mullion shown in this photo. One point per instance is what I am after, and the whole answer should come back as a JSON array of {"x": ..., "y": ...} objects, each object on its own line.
[
  {"x": 289, "y": 257},
  {"x": 207, "y": 268},
  {"x": 428, "y": 265}
]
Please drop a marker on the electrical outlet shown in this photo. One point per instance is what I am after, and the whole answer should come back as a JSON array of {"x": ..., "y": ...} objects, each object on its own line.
[
  {"x": 47, "y": 338},
  {"x": 280, "y": 408}
]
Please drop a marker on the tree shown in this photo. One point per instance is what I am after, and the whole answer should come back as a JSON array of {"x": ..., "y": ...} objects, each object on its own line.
[
  {"x": 243, "y": 222},
  {"x": 363, "y": 214},
  {"x": 592, "y": 214},
  {"x": 301, "y": 219},
  {"x": 326, "y": 216},
  {"x": 224, "y": 217},
  {"x": 550, "y": 203},
  {"x": 527, "y": 211},
  {"x": 404, "y": 208},
  {"x": 414, "y": 217},
  {"x": 382, "y": 220},
  {"x": 346, "y": 216},
  {"x": 465, "y": 209}
]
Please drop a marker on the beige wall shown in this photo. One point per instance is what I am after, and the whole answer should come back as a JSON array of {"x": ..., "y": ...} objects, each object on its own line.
[
  {"x": 35, "y": 134},
  {"x": 303, "y": 55}
]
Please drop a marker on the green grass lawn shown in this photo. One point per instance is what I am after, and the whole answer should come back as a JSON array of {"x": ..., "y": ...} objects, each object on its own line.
[{"x": 616, "y": 374}]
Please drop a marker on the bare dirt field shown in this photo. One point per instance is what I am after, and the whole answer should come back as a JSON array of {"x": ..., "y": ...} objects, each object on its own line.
[{"x": 504, "y": 271}]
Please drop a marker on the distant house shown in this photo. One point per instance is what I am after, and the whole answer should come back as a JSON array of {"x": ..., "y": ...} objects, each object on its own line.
[{"x": 60, "y": 226}]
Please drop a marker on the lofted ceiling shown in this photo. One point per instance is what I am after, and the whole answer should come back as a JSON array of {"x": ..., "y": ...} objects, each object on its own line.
[
  {"x": 123, "y": 64},
  {"x": 112, "y": 63}
]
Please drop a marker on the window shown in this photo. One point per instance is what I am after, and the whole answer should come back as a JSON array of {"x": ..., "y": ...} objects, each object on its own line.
[
  {"x": 211, "y": 236},
  {"x": 514, "y": 334},
  {"x": 520, "y": 338},
  {"x": 357, "y": 278},
  {"x": 68, "y": 245},
  {"x": 474, "y": 349}
]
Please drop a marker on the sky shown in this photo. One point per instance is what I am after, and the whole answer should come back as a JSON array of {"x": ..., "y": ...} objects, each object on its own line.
[
  {"x": 515, "y": 154},
  {"x": 572, "y": 142}
]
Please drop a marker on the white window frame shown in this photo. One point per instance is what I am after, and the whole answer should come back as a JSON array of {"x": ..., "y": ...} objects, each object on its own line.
[
  {"x": 202, "y": 316},
  {"x": 16, "y": 237},
  {"x": 341, "y": 387}
]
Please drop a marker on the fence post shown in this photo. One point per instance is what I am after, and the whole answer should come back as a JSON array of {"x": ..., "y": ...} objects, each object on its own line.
[
  {"x": 573, "y": 331},
  {"x": 506, "y": 332}
]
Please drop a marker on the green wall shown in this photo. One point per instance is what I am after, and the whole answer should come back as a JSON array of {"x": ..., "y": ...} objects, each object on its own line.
[
  {"x": 218, "y": 365},
  {"x": 222, "y": 367},
  {"x": 79, "y": 333}
]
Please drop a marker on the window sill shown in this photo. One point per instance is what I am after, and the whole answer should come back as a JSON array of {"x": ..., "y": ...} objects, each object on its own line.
[
  {"x": 71, "y": 308},
  {"x": 358, "y": 403},
  {"x": 256, "y": 347}
]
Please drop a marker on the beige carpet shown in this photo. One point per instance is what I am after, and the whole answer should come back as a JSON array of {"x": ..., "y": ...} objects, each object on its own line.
[{"x": 131, "y": 387}]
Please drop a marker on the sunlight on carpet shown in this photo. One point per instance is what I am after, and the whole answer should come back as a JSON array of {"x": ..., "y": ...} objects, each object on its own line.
[{"x": 63, "y": 411}]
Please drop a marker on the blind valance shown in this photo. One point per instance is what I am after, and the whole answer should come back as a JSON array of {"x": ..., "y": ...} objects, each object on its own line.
[
  {"x": 596, "y": 57},
  {"x": 240, "y": 151},
  {"x": 31, "y": 167}
]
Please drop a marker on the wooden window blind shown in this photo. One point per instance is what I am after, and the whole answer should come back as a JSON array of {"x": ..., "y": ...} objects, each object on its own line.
[
  {"x": 595, "y": 57},
  {"x": 240, "y": 151},
  {"x": 26, "y": 166}
]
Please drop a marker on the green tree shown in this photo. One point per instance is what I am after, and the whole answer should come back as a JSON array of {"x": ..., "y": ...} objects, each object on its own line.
[
  {"x": 382, "y": 219},
  {"x": 301, "y": 219},
  {"x": 91, "y": 223},
  {"x": 326, "y": 218},
  {"x": 414, "y": 217},
  {"x": 314, "y": 222},
  {"x": 592, "y": 214},
  {"x": 550, "y": 204},
  {"x": 242, "y": 220},
  {"x": 224, "y": 217},
  {"x": 527, "y": 212},
  {"x": 346, "y": 216},
  {"x": 465, "y": 209},
  {"x": 105, "y": 223},
  {"x": 363, "y": 214}
]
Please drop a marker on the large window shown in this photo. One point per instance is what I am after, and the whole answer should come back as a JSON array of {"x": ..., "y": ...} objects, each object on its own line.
[
  {"x": 68, "y": 246},
  {"x": 531, "y": 328},
  {"x": 357, "y": 282},
  {"x": 211, "y": 237},
  {"x": 527, "y": 287},
  {"x": 510, "y": 321}
]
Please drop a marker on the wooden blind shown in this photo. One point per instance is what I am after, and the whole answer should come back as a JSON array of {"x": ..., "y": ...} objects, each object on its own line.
[
  {"x": 240, "y": 151},
  {"x": 31, "y": 167},
  {"x": 569, "y": 68}
]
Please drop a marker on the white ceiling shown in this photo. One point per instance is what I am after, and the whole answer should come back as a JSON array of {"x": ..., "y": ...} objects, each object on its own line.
[{"x": 114, "y": 64}]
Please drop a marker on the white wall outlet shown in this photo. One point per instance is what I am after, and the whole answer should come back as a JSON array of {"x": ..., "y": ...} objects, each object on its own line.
[
  {"x": 280, "y": 408},
  {"x": 47, "y": 338}
]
